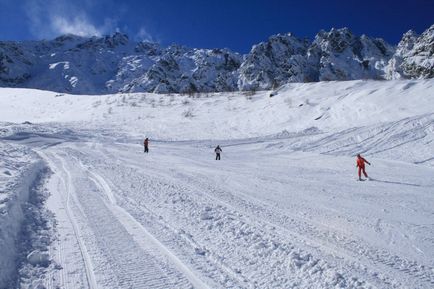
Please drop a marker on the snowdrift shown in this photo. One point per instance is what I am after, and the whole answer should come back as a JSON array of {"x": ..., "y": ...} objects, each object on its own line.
[{"x": 19, "y": 169}]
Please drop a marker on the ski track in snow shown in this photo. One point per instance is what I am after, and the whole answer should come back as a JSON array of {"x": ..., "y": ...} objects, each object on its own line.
[
  {"x": 141, "y": 235},
  {"x": 115, "y": 242},
  {"x": 341, "y": 245},
  {"x": 177, "y": 219},
  {"x": 69, "y": 189}
]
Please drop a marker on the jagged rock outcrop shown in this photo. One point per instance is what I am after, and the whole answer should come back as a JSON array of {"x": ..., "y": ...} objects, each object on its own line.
[
  {"x": 340, "y": 55},
  {"x": 180, "y": 69},
  {"x": 15, "y": 64},
  {"x": 109, "y": 64},
  {"x": 270, "y": 64},
  {"x": 414, "y": 57},
  {"x": 115, "y": 64}
]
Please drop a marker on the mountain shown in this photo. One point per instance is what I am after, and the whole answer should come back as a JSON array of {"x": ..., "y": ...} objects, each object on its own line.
[
  {"x": 340, "y": 55},
  {"x": 114, "y": 63},
  {"x": 178, "y": 69},
  {"x": 279, "y": 60},
  {"x": 414, "y": 57}
]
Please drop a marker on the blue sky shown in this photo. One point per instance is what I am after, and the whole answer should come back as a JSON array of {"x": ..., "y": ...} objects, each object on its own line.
[{"x": 233, "y": 24}]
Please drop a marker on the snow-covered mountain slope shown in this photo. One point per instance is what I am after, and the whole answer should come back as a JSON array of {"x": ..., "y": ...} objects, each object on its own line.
[
  {"x": 281, "y": 209},
  {"x": 325, "y": 106},
  {"x": 114, "y": 63}
]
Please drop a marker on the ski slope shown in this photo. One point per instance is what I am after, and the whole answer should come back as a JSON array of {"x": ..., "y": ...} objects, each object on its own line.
[{"x": 282, "y": 209}]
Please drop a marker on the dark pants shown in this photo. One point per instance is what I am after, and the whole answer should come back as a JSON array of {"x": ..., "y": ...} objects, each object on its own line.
[
  {"x": 217, "y": 156},
  {"x": 146, "y": 149},
  {"x": 362, "y": 169}
]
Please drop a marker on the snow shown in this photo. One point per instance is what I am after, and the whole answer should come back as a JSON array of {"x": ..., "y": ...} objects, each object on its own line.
[
  {"x": 18, "y": 171},
  {"x": 282, "y": 209},
  {"x": 54, "y": 65},
  {"x": 327, "y": 106}
]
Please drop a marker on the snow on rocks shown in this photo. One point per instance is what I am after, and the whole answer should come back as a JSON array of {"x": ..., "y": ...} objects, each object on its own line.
[
  {"x": 414, "y": 57},
  {"x": 273, "y": 63},
  {"x": 114, "y": 63}
]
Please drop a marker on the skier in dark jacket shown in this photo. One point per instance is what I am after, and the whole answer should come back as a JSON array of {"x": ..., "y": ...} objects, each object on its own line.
[
  {"x": 145, "y": 144},
  {"x": 217, "y": 151},
  {"x": 361, "y": 165}
]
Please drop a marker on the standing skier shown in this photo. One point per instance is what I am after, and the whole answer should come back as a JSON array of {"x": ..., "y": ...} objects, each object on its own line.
[
  {"x": 145, "y": 144},
  {"x": 361, "y": 165},
  {"x": 217, "y": 151}
]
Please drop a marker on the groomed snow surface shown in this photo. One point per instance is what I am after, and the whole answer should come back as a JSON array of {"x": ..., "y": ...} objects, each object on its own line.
[{"x": 81, "y": 205}]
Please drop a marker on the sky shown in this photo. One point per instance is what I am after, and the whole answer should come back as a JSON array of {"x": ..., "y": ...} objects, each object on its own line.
[{"x": 234, "y": 24}]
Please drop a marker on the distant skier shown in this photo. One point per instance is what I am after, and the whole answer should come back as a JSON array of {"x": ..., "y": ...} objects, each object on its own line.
[
  {"x": 217, "y": 150},
  {"x": 361, "y": 165},
  {"x": 145, "y": 144}
]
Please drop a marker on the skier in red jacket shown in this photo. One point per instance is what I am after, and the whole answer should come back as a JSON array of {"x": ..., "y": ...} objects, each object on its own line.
[{"x": 361, "y": 165}]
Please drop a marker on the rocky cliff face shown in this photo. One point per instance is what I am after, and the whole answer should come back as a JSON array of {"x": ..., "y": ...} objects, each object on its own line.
[
  {"x": 116, "y": 64},
  {"x": 414, "y": 57},
  {"x": 180, "y": 69},
  {"x": 269, "y": 64},
  {"x": 340, "y": 55},
  {"x": 15, "y": 64}
]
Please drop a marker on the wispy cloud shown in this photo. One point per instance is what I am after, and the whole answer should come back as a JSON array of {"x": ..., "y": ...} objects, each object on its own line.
[
  {"x": 50, "y": 18},
  {"x": 144, "y": 35},
  {"x": 79, "y": 26}
]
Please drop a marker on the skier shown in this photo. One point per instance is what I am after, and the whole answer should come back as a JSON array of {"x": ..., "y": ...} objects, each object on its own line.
[
  {"x": 361, "y": 165},
  {"x": 145, "y": 144},
  {"x": 217, "y": 150}
]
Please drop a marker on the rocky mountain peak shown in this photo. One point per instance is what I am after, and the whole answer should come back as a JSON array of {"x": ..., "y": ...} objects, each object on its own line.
[
  {"x": 68, "y": 38},
  {"x": 148, "y": 48},
  {"x": 425, "y": 42},
  {"x": 114, "y": 63},
  {"x": 106, "y": 42},
  {"x": 335, "y": 40},
  {"x": 274, "y": 62},
  {"x": 407, "y": 42},
  {"x": 116, "y": 39},
  {"x": 415, "y": 55}
]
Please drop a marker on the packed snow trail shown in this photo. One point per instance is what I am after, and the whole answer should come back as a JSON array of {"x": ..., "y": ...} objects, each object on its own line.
[
  {"x": 115, "y": 251},
  {"x": 260, "y": 217}
]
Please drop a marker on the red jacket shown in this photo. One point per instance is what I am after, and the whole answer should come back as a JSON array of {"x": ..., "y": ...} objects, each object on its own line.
[{"x": 361, "y": 162}]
